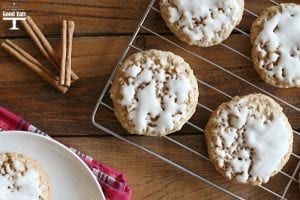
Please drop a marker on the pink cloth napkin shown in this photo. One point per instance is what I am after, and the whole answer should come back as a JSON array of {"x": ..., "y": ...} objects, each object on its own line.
[{"x": 113, "y": 183}]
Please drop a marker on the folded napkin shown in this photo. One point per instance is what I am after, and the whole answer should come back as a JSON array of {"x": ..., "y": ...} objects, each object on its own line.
[{"x": 113, "y": 183}]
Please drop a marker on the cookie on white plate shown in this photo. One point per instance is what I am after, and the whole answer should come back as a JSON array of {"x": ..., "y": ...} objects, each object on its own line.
[
  {"x": 249, "y": 139},
  {"x": 202, "y": 22},
  {"x": 276, "y": 45},
  {"x": 154, "y": 93},
  {"x": 22, "y": 178}
]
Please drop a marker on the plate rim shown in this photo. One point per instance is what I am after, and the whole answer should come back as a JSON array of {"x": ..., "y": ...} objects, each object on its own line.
[{"x": 55, "y": 142}]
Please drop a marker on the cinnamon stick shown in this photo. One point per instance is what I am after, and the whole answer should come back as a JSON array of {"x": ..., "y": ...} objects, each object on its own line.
[
  {"x": 42, "y": 43},
  {"x": 71, "y": 27},
  {"x": 33, "y": 64},
  {"x": 62, "y": 80},
  {"x": 30, "y": 58}
]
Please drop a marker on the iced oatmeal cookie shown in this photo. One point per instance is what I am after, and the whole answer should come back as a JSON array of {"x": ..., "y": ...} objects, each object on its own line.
[
  {"x": 249, "y": 139},
  {"x": 202, "y": 22},
  {"x": 276, "y": 45},
  {"x": 154, "y": 93},
  {"x": 22, "y": 178}
]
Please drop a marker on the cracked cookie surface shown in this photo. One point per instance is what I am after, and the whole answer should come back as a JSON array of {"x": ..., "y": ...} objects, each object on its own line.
[
  {"x": 249, "y": 139},
  {"x": 154, "y": 93}
]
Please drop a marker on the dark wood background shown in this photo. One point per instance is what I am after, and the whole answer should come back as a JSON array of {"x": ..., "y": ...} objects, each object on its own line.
[{"x": 102, "y": 31}]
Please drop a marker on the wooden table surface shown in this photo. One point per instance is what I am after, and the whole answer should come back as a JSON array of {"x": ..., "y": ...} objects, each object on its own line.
[{"x": 103, "y": 29}]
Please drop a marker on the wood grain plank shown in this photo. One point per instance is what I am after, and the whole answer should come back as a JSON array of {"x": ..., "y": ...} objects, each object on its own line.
[
  {"x": 102, "y": 17},
  {"x": 91, "y": 17}
]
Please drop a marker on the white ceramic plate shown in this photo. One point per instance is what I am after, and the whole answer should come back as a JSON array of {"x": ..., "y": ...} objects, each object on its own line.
[{"x": 69, "y": 177}]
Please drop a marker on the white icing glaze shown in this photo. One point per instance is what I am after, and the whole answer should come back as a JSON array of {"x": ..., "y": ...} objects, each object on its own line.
[
  {"x": 271, "y": 144},
  {"x": 155, "y": 99},
  {"x": 148, "y": 106},
  {"x": 239, "y": 118},
  {"x": 18, "y": 165},
  {"x": 133, "y": 71},
  {"x": 215, "y": 14},
  {"x": 179, "y": 87},
  {"x": 173, "y": 14},
  {"x": 25, "y": 187},
  {"x": 241, "y": 164},
  {"x": 229, "y": 136},
  {"x": 282, "y": 44},
  {"x": 129, "y": 91}
]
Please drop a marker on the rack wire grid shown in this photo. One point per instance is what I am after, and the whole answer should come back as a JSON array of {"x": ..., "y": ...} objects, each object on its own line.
[{"x": 237, "y": 78}]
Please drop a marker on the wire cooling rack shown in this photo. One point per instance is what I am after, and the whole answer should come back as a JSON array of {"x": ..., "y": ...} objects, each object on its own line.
[{"x": 212, "y": 91}]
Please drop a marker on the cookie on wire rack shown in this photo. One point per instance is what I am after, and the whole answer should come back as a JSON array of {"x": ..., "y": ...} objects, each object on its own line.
[
  {"x": 22, "y": 178},
  {"x": 202, "y": 22},
  {"x": 154, "y": 93},
  {"x": 249, "y": 139},
  {"x": 276, "y": 45}
]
